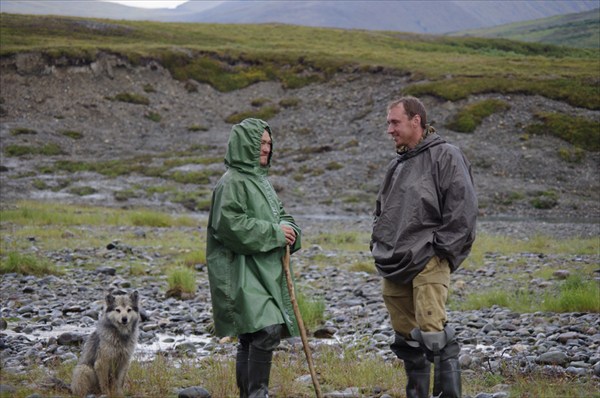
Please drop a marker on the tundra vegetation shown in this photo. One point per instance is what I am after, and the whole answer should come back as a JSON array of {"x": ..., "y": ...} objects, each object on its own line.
[
  {"x": 181, "y": 256},
  {"x": 230, "y": 57}
]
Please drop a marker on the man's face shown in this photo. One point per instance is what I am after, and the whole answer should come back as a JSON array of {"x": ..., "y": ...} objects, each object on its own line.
[
  {"x": 404, "y": 131},
  {"x": 265, "y": 148}
]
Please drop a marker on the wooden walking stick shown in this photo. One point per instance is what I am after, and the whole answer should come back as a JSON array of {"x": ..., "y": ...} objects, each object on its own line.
[{"x": 290, "y": 285}]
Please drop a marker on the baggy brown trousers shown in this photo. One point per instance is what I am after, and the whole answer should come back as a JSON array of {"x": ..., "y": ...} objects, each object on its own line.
[{"x": 420, "y": 303}]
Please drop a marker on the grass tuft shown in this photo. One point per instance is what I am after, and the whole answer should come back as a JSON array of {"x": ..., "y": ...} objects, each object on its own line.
[{"x": 27, "y": 264}]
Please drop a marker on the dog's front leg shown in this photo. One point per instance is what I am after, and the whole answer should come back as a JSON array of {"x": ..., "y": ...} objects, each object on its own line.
[
  {"x": 102, "y": 369},
  {"x": 120, "y": 379}
]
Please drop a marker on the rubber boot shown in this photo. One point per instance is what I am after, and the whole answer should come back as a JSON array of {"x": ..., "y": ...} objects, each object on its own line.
[
  {"x": 259, "y": 370},
  {"x": 416, "y": 365},
  {"x": 241, "y": 369},
  {"x": 442, "y": 349}
]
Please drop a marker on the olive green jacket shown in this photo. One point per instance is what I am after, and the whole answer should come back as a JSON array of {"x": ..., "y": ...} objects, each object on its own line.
[{"x": 245, "y": 243}]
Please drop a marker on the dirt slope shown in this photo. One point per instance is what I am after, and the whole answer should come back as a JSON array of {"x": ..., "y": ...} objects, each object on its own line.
[{"x": 329, "y": 141}]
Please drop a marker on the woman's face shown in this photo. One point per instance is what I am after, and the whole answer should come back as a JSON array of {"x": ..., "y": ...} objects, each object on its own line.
[{"x": 265, "y": 148}]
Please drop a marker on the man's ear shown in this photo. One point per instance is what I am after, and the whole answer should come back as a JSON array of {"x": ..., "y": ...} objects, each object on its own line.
[{"x": 416, "y": 120}]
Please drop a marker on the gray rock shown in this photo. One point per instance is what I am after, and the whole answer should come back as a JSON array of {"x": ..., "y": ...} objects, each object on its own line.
[{"x": 194, "y": 392}]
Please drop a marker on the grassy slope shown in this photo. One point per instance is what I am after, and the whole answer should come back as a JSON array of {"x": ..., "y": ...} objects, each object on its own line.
[
  {"x": 231, "y": 56},
  {"x": 581, "y": 30}
]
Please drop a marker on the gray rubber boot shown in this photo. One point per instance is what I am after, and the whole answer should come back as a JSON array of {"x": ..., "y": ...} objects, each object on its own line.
[
  {"x": 442, "y": 349},
  {"x": 259, "y": 370},
  {"x": 416, "y": 365}
]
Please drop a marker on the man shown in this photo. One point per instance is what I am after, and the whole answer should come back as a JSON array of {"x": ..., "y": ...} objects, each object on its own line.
[
  {"x": 248, "y": 230},
  {"x": 423, "y": 229}
]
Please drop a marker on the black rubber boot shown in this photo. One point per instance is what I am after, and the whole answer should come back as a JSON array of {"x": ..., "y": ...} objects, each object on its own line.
[
  {"x": 416, "y": 365},
  {"x": 259, "y": 370},
  {"x": 241, "y": 369},
  {"x": 442, "y": 349},
  {"x": 450, "y": 378}
]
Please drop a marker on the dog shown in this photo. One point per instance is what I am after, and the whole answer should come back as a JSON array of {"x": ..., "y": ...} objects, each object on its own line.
[{"x": 107, "y": 352}]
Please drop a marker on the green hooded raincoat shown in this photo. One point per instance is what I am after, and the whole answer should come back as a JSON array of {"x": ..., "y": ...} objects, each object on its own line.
[{"x": 245, "y": 243}]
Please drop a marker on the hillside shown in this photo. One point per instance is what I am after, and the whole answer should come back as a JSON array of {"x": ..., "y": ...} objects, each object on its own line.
[
  {"x": 580, "y": 30},
  {"x": 97, "y": 112},
  {"x": 433, "y": 16}
]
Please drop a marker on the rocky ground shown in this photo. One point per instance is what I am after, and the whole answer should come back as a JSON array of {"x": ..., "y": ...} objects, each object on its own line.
[
  {"x": 49, "y": 316},
  {"x": 330, "y": 151}
]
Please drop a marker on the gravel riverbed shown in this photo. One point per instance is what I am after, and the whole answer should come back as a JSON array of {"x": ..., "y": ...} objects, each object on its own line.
[{"x": 46, "y": 318}]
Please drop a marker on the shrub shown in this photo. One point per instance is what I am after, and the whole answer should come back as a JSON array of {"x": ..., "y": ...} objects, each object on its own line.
[
  {"x": 22, "y": 131},
  {"x": 575, "y": 155},
  {"x": 154, "y": 116},
  {"x": 193, "y": 177},
  {"x": 197, "y": 127},
  {"x": 83, "y": 191},
  {"x": 39, "y": 184},
  {"x": 125, "y": 194},
  {"x": 149, "y": 88},
  {"x": 334, "y": 166},
  {"x": 544, "y": 200},
  {"x": 258, "y": 102},
  {"x": 27, "y": 264},
  {"x": 51, "y": 150},
  {"x": 470, "y": 117},
  {"x": 132, "y": 98},
  {"x": 581, "y": 132},
  {"x": 265, "y": 113},
  {"x": 22, "y": 150},
  {"x": 76, "y": 135},
  {"x": 289, "y": 102}
]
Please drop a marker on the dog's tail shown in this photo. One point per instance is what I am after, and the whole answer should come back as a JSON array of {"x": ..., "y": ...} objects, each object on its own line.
[{"x": 55, "y": 383}]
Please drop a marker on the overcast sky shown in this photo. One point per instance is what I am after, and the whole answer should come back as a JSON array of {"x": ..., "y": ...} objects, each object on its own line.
[{"x": 150, "y": 3}]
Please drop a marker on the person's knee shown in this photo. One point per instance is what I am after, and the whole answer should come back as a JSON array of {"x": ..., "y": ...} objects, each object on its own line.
[
  {"x": 442, "y": 343},
  {"x": 267, "y": 339}
]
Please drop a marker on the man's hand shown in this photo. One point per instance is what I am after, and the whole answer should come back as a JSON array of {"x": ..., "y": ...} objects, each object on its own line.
[{"x": 290, "y": 234}]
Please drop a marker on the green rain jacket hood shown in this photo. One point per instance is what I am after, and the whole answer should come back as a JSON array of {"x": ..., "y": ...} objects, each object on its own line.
[{"x": 245, "y": 243}]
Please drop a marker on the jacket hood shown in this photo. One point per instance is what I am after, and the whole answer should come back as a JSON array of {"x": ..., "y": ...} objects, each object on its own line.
[
  {"x": 243, "y": 148},
  {"x": 431, "y": 140}
]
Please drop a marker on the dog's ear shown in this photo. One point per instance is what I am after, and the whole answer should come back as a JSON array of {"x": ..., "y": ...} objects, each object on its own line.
[
  {"x": 110, "y": 302},
  {"x": 135, "y": 297}
]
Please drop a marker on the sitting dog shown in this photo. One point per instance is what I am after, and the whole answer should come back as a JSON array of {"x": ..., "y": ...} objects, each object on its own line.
[{"x": 106, "y": 354}]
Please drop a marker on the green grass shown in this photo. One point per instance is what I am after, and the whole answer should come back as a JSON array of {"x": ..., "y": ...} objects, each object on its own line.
[
  {"x": 27, "y": 264},
  {"x": 573, "y": 295},
  {"x": 31, "y": 213},
  {"x": 573, "y": 30},
  {"x": 582, "y": 133},
  {"x": 338, "y": 367},
  {"x": 23, "y": 150},
  {"x": 22, "y": 131},
  {"x": 264, "y": 113},
  {"x": 341, "y": 240},
  {"x": 470, "y": 116},
  {"x": 181, "y": 279},
  {"x": 76, "y": 135},
  {"x": 229, "y": 57},
  {"x": 154, "y": 116},
  {"x": 503, "y": 245},
  {"x": 131, "y": 98},
  {"x": 312, "y": 310}
]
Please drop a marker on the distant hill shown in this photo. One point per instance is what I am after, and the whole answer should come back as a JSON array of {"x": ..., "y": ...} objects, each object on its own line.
[
  {"x": 434, "y": 16},
  {"x": 580, "y": 30}
]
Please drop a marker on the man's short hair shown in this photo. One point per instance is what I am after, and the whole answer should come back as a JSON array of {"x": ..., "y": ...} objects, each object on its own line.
[{"x": 412, "y": 106}]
